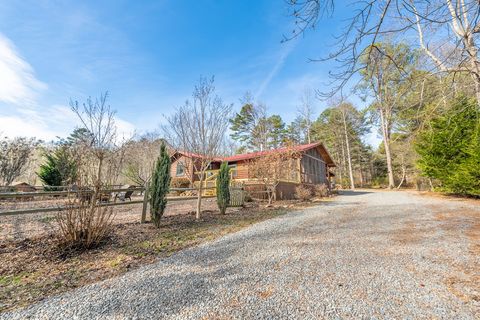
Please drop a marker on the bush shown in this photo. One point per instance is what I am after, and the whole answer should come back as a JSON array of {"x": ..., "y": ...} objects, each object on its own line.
[
  {"x": 59, "y": 169},
  {"x": 223, "y": 187},
  {"x": 449, "y": 148},
  {"x": 83, "y": 225},
  {"x": 179, "y": 183},
  {"x": 159, "y": 187},
  {"x": 320, "y": 190},
  {"x": 303, "y": 192}
]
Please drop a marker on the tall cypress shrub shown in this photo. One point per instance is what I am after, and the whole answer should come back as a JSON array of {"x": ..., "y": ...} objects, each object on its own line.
[
  {"x": 159, "y": 186},
  {"x": 223, "y": 187}
]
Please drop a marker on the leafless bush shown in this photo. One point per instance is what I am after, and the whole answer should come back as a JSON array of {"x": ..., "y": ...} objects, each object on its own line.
[
  {"x": 303, "y": 193},
  {"x": 180, "y": 182},
  {"x": 14, "y": 157},
  {"x": 320, "y": 190},
  {"x": 84, "y": 225}
]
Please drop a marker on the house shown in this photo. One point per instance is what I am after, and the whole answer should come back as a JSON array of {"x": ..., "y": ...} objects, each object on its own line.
[
  {"x": 310, "y": 166},
  {"x": 24, "y": 187}
]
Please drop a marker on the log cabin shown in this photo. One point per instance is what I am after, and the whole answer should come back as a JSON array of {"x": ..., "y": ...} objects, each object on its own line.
[{"x": 311, "y": 166}]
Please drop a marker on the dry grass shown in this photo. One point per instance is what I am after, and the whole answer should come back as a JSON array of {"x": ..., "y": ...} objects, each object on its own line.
[{"x": 35, "y": 268}]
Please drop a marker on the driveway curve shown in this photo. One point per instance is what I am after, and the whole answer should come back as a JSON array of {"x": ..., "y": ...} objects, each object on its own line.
[{"x": 365, "y": 254}]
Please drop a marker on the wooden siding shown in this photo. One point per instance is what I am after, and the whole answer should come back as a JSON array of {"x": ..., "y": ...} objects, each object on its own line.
[
  {"x": 242, "y": 170},
  {"x": 188, "y": 167},
  {"x": 313, "y": 167}
]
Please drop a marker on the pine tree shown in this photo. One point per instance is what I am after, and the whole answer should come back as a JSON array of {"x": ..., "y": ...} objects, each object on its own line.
[
  {"x": 223, "y": 187},
  {"x": 60, "y": 167},
  {"x": 448, "y": 149},
  {"x": 160, "y": 186},
  {"x": 49, "y": 173}
]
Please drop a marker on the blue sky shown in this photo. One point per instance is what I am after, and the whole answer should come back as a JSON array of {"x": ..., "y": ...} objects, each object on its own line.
[{"x": 149, "y": 55}]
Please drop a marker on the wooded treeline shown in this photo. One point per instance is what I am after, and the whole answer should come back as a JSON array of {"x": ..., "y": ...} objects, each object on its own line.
[{"x": 428, "y": 122}]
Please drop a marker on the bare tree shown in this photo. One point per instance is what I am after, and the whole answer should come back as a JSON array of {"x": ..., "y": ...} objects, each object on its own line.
[
  {"x": 453, "y": 27},
  {"x": 15, "y": 155},
  {"x": 102, "y": 143},
  {"x": 273, "y": 167},
  {"x": 344, "y": 109},
  {"x": 140, "y": 156},
  {"x": 306, "y": 113},
  {"x": 199, "y": 128}
]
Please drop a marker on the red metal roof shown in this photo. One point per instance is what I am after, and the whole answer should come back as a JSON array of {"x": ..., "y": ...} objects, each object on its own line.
[
  {"x": 301, "y": 147},
  {"x": 252, "y": 155}
]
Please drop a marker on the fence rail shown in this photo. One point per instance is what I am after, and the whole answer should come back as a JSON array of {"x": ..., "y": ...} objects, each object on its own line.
[{"x": 112, "y": 191}]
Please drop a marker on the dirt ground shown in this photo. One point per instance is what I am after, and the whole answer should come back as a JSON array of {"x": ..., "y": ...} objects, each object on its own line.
[
  {"x": 19, "y": 227},
  {"x": 34, "y": 265}
]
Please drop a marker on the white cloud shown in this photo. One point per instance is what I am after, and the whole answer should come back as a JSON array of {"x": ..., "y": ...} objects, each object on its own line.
[
  {"x": 20, "y": 113},
  {"x": 18, "y": 84},
  {"x": 52, "y": 122}
]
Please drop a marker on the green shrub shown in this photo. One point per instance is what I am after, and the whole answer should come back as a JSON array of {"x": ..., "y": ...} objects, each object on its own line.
[
  {"x": 59, "y": 169},
  {"x": 223, "y": 187},
  {"x": 449, "y": 148},
  {"x": 159, "y": 187}
]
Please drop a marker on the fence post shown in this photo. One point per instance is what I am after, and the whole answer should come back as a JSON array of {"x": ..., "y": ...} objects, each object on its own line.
[{"x": 145, "y": 203}]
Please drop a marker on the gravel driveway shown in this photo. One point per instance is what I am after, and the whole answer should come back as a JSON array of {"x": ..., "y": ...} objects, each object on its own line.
[{"x": 364, "y": 255}]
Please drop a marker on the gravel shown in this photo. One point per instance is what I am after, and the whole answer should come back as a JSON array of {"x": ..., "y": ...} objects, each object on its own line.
[{"x": 371, "y": 255}]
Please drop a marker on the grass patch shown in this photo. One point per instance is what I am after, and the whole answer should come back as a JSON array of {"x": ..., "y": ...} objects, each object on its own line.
[{"x": 33, "y": 269}]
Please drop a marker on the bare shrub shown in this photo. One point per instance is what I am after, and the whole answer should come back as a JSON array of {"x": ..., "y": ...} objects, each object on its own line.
[
  {"x": 15, "y": 155},
  {"x": 180, "y": 183},
  {"x": 320, "y": 190},
  {"x": 84, "y": 225},
  {"x": 303, "y": 192}
]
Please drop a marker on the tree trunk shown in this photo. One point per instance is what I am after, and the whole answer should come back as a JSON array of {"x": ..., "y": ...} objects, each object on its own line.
[
  {"x": 386, "y": 143},
  {"x": 199, "y": 197},
  {"x": 404, "y": 172},
  {"x": 349, "y": 158},
  {"x": 361, "y": 173}
]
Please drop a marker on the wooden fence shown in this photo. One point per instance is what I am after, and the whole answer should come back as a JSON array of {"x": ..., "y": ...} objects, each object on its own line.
[{"x": 237, "y": 200}]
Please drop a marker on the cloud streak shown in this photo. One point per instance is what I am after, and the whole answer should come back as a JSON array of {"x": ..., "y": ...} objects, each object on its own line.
[
  {"x": 18, "y": 84},
  {"x": 286, "y": 50}
]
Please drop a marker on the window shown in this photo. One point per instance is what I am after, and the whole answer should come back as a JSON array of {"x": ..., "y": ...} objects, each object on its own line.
[
  {"x": 233, "y": 170},
  {"x": 180, "y": 169}
]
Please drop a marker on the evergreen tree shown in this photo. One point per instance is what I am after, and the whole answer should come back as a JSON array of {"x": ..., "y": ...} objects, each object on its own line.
[
  {"x": 449, "y": 148},
  {"x": 160, "y": 186},
  {"x": 59, "y": 169},
  {"x": 243, "y": 124},
  {"x": 223, "y": 187},
  {"x": 276, "y": 131}
]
